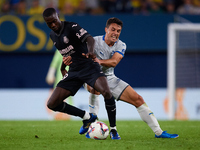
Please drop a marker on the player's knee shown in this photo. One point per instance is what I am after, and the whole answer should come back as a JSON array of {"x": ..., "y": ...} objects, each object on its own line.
[
  {"x": 139, "y": 101},
  {"x": 93, "y": 91},
  {"x": 140, "y": 98},
  {"x": 54, "y": 107},
  {"x": 50, "y": 105},
  {"x": 106, "y": 94}
]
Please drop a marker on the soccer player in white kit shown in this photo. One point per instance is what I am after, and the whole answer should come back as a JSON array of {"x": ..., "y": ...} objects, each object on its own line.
[{"x": 109, "y": 51}]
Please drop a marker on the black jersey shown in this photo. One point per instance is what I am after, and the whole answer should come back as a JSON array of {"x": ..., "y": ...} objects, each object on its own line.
[{"x": 71, "y": 42}]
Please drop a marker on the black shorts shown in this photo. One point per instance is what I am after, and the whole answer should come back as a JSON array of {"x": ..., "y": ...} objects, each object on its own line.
[{"x": 76, "y": 78}]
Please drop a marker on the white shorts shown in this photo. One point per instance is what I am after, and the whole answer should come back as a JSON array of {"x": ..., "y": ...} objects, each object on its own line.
[{"x": 116, "y": 85}]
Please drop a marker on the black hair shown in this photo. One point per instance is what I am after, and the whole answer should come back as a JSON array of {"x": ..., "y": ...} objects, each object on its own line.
[
  {"x": 114, "y": 20},
  {"x": 48, "y": 12}
]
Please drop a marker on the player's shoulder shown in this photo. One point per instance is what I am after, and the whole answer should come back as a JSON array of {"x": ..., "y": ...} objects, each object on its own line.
[
  {"x": 98, "y": 38},
  {"x": 70, "y": 24},
  {"x": 121, "y": 44}
]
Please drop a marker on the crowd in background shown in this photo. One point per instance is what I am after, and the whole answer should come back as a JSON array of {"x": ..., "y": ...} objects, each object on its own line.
[{"x": 96, "y": 7}]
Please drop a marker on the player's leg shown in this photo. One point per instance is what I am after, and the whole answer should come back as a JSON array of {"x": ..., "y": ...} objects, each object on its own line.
[
  {"x": 94, "y": 103},
  {"x": 56, "y": 103},
  {"x": 101, "y": 85},
  {"x": 93, "y": 99},
  {"x": 131, "y": 96}
]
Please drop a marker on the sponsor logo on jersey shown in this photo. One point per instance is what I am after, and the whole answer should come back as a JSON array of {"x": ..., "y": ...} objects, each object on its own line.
[
  {"x": 67, "y": 51},
  {"x": 74, "y": 25},
  {"x": 101, "y": 53},
  {"x": 151, "y": 113},
  {"x": 82, "y": 32},
  {"x": 65, "y": 40}
]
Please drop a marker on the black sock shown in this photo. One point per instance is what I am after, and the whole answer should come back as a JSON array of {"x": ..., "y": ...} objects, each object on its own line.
[
  {"x": 69, "y": 109},
  {"x": 111, "y": 110}
]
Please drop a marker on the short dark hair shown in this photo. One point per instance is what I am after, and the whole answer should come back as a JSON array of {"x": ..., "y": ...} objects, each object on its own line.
[
  {"x": 114, "y": 20},
  {"x": 48, "y": 12}
]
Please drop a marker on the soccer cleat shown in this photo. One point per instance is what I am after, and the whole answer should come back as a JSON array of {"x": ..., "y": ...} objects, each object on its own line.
[
  {"x": 167, "y": 135},
  {"x": 86, "y": 123},
  {"x": 87, "y": 135},
  {"x": 114, "y": 135}
]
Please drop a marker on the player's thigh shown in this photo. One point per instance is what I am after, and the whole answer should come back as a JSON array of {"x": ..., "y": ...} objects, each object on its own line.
[
  {"x": 131, "y": 96},
  {"x": 59, "y": 94},
  {"x": 101, "y": 85},
  {"x": 92, "y": 90}
]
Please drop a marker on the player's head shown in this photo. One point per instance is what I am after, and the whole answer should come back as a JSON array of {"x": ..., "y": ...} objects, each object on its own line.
[
  {"x": 113, "y": 30},
  {"x": 52, "y": 20},
  {"x": 114, "y": 20}
]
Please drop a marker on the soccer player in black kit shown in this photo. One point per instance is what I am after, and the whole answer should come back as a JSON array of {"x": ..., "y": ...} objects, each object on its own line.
[{"x": 72, "y": 40}]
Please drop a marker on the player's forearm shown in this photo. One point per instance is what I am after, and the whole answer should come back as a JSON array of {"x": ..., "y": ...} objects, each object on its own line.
[
  {"x": 108, "y": 62},
  {"x": 62, "y": 69},
  {"x": 90, "y": 44}
]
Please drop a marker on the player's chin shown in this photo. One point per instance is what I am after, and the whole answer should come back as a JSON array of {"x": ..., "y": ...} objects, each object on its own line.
[
  {"x": 114, "y": 40},
  {"x": 55, "y": 29}
]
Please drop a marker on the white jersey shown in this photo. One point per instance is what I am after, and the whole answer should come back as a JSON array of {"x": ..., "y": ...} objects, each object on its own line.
[{"x": 103, "y": 51}]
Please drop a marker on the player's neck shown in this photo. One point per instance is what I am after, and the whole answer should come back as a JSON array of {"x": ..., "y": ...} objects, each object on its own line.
[
  {"x": 109, "y": 43},
  {"x": 61, "y": 28}
]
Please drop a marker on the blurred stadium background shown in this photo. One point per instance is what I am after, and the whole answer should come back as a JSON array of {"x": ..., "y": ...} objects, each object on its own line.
[{"x": 26, "y": 53}]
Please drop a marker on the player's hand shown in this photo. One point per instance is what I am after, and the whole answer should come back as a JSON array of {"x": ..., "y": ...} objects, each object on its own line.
[
  {"x": 97, "y": 60},
  {"x": 67, "y": 60},
  {"x": 89, "y": 55}
]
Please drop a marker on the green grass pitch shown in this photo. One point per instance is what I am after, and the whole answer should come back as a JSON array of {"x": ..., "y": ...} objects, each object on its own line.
[{"x": 63, "y": 135}]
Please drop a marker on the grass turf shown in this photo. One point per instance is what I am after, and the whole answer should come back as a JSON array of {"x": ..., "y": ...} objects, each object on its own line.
[{"x": 58, "y": 135}]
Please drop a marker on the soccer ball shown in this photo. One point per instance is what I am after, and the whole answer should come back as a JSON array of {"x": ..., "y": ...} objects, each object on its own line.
[{"x": 98, "y": 130}]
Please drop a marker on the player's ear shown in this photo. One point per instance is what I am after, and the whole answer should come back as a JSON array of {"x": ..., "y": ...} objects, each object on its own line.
[{"x": 106, "y": 29}]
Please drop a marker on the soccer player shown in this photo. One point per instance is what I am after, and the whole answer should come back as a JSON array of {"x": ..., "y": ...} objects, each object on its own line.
[
  {"x": 74, "y": 41},
  {"x": 109, "y": 51}
]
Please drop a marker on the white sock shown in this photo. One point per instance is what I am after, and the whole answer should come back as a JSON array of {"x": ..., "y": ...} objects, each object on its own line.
[
  {"x": 115, "y": 128},
  {"x": 86, "y": 116},
  {"x": 94, "y": 104},
  {"x": 147, "y": 116}
]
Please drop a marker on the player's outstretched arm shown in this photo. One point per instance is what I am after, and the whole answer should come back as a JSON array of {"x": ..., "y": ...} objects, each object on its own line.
[
  {"x": 112, "y": 62},
  {"x": 90, "y": 45}
]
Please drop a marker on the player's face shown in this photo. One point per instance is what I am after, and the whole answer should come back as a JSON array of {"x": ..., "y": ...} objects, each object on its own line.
[
  {"x": 113, "y": 32},
  {"x": 53, "y": 22}
]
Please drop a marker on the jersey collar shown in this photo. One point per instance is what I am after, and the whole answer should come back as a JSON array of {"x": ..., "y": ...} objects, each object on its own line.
[{"x": 104, "y": 38}]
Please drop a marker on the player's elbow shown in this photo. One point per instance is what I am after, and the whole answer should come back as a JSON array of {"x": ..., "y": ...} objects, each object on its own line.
[
  {"x": 90, "y": 40},
  {"x": 113, "y": 64}
]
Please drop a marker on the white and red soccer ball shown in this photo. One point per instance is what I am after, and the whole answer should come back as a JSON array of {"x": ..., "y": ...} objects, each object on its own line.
[{"x": 98, "y": 130}]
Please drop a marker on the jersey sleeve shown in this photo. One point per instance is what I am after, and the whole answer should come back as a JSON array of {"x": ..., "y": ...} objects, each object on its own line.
[
  {"x": 121, "y": 48},
  {"x": 79, "y": 32}
]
